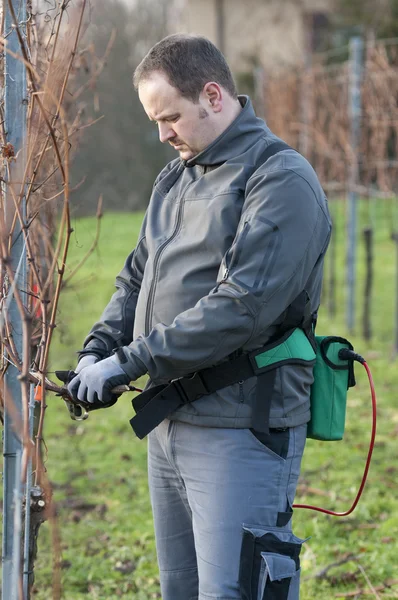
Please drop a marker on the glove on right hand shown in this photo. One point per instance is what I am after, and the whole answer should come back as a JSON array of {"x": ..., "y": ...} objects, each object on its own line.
[{"x": 94, "y": 384}]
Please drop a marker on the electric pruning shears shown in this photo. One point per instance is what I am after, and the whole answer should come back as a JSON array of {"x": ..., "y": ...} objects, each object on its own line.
[{"x": 78, "y": 410}]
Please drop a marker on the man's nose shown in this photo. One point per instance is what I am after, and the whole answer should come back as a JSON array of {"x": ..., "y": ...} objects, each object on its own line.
[{"x": 166, "y": 132}]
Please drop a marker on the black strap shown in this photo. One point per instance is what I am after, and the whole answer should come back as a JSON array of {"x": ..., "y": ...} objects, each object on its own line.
[
  {"x": 262, "y": 403},
  {"x": 296, "y": 312},
  {"x": 157, "y": 403},
  {"x": 299, "y": 314},
  {"x": 152, "y": 407},
  {"x": 248, "y": 584},
  {"x": 271, "y": 150}
]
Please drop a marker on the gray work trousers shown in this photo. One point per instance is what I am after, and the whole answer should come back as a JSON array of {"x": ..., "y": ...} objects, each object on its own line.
[{"x": 221, "y": 502}]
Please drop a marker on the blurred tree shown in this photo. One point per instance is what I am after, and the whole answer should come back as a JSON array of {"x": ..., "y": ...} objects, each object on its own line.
[
  {"x": 120, "y": 156},
  {"x": 375, "y": 17}
]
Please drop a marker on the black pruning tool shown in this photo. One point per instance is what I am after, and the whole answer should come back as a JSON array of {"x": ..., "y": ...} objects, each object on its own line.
[{"x": 78, "y": 410}]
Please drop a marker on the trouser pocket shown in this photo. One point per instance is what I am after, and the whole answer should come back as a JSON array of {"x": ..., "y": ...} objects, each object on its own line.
[
  {"x": 277, "y": 440},
  {"x": 269, "y": 565}
]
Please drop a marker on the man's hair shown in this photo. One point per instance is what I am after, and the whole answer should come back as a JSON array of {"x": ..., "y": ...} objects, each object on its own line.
[{"x": 189, "y": 62}]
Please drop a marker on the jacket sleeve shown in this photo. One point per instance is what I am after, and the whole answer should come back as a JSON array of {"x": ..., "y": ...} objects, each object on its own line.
[
  {"x": 115, "y": 327},
  {"x": 283, "y": 231}
]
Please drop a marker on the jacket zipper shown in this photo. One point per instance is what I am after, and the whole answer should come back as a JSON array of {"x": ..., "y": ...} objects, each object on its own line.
[
  {"x": 234, "y": 254},
  {"x": 151, "y": 294}
]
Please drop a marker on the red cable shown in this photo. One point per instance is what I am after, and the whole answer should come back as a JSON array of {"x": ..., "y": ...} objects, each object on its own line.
[{"x": 369, "y": 458}]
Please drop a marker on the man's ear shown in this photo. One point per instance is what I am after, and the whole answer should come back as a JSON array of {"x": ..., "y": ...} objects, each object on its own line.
[{"x": 214, "y": 96}]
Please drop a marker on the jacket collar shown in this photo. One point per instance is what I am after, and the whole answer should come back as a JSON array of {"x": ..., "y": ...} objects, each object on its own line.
[{"x": 236, "y": 139}]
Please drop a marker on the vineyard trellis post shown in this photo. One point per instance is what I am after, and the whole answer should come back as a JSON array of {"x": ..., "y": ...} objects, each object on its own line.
[
  {"x": 305, "y": 93},
  {"x": 15, "y": 114},
  {"x": 259, "y": 89},
  {"x": 394, "y": 237},
  {"x": 355, "y": 111}
]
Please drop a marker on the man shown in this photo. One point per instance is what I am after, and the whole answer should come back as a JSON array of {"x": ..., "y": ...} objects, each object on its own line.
[{"x": 233, "y": 237}]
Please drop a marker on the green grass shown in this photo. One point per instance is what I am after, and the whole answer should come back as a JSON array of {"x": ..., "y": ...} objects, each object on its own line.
[{"x": 98, "y": 467}]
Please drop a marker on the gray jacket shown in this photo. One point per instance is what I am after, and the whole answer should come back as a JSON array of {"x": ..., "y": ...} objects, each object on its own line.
[{"x": 224, "y": 248}]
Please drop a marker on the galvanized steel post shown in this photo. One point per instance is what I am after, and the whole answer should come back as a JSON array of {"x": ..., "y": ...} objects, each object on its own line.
[
  {"x": 394, "y": 237},
  {"x": 220, "y": 24},
  {"x": 28, "y": 489},
  {"x": 355, "y": 80},
  {"x": 306, "y": 90},
  {"x": 259, "y": 91},
  {"x": 15, "y": 106}
]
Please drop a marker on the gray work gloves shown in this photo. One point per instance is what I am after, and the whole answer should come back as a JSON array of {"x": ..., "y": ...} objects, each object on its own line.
[
  {"x": 86, "y": 361},
  {"x": 95, "y": 380}
]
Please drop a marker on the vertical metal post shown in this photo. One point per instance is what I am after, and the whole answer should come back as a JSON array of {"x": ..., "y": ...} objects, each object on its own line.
[
  {"x": 259, "y": 85},
  {"x": 306, "y": 88},
  {"x": 15, "y": 106},
  {"x": 355, "y": 79},
  {"x": 220, "y": 24},
  {"x": 368, "y": 239},
  {"x": 331, "y": 292},
  {"x": 26, "y": 557},
  {"x": 394, "y": 237},
  {"x": 14, "y": 589}
]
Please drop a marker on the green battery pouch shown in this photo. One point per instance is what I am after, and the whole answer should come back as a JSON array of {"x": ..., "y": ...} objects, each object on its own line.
[{"x": 332, "y": 378}]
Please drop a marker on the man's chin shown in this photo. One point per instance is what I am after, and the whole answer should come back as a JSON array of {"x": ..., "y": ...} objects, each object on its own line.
[
  {"x": 184, "y": 151},
  {"x": 186, "y": 154}
]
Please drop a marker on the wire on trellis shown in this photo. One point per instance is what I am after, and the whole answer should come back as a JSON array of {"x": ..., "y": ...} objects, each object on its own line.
[
  {"x": 326, "y": 125},
  {"x": 34, "y": 207}
]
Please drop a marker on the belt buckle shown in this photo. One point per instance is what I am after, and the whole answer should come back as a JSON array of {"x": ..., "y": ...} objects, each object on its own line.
[{"x": 191, "y": 386}]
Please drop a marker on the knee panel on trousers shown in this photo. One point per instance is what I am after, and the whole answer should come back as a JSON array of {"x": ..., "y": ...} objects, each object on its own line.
[{"x": 269, "y": 565}]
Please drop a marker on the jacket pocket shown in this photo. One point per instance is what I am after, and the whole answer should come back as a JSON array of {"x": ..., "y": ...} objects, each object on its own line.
[{"x": 269, "y": 565}]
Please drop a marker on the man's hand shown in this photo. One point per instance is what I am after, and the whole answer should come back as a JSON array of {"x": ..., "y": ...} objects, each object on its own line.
[
  {"x": 94, "y": 383},
  {"x": 86, "y": 361}
]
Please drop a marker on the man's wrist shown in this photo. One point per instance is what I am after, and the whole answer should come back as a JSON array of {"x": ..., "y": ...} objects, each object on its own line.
[
  {"x": 131, "y": 364},
  {"x": 96, "y": 348},
  {"x": 86, "y": 352}
]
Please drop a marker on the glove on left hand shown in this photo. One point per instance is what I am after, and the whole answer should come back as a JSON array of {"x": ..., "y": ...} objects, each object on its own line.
[
  {"x": 94, "y": 383},
  {"x": 86, "y": 361}
]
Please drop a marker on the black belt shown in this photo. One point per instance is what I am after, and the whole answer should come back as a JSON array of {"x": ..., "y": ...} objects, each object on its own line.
[{"x": 157, "y": 403}]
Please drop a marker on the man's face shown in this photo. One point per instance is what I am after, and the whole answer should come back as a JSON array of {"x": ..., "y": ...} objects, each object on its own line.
[{"x": 188, "y": 127}]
